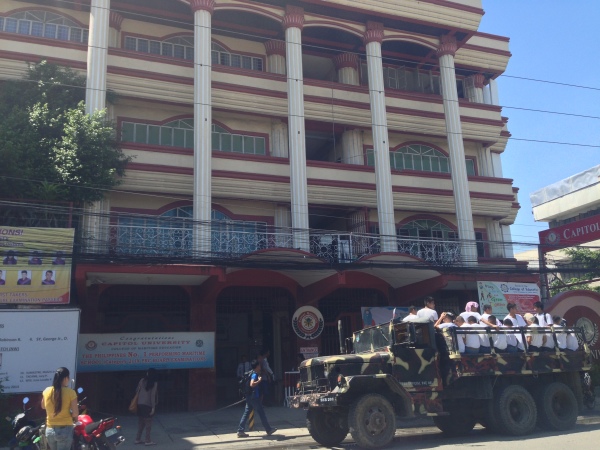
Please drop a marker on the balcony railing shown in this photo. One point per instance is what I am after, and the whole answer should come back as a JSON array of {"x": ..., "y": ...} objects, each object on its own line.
[{"x": 341, "y": 247}]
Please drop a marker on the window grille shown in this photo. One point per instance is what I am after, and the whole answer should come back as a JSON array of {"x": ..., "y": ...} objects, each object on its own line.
[
  {"x": 220, "y": 55},
  {"x": 180, "y": 47},
  {"x": 44, "y": 24}
]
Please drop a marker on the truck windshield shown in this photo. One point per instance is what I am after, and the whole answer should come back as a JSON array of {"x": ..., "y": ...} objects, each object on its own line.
[{"x": 372, "y": 339}]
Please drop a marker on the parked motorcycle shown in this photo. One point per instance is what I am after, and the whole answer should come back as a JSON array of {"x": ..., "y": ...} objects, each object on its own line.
[
  {"x": 26, "y": 435},
  {"x": 98, "y": 435}
]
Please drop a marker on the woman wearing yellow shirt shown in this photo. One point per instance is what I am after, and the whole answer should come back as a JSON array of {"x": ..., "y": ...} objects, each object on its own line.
[{"x": 60, "y": 403}]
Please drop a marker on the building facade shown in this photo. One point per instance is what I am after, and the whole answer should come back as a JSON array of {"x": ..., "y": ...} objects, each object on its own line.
[{"x": 286, "y": 153}]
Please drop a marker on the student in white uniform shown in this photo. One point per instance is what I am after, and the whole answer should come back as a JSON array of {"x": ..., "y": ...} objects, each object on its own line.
[
  {"x": 535, "y": 341},
  {"x": 471, "y": 309},
  {"x": 472, "y": 341},
  {"x": 412, "y": 314},
  {"x": 518, "y": 321},
  {"x": 460, "y": 338},
  {"x": 487, "y": 312},
  {"x": 544, "y": 319},
  {"x": 428, "y": 312},
  {"x": 561, "y": 336},
  {"x": 499, "y": 340},
  {"x": 512, "y": 345}
]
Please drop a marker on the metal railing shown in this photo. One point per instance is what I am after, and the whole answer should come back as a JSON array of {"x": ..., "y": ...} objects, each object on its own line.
[{"x": 340, "y": 247}]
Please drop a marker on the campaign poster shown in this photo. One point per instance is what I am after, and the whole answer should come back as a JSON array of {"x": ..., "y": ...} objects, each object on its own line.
[
  {"x": 35, "y": 265},
  {"x": 375, "y": 315},
  {"x": 499, "y": 294},
  {"x": 114, "y": 352},
  {"x": 33, "y": 344}
]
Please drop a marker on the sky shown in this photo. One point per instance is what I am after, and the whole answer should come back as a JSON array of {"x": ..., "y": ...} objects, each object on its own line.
[{"x": 550, "y": 40}]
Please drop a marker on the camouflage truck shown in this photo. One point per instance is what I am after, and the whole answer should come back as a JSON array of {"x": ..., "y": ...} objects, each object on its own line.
[{"x": 408, "y": 369}]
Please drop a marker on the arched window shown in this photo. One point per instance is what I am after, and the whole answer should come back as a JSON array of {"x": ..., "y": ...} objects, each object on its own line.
[
  {"x": 177, "y": 133},
  {"x": 225, "y": 141},
  {"x": 420, "y": 157},
  {"x": 220, "y": 55},
  {"x": 181, "y": 47},
  {"x": 170, "y": 234},
  {"x": 429, "y": 240},
  {"x": 44, "y": 24}
]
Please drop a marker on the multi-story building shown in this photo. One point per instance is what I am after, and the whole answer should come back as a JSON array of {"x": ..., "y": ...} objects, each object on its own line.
[{"x": 339, "y": 154}]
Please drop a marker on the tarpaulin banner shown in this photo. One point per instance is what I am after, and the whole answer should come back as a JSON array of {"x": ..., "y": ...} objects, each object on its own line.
[
  {"x": 499, "y": 294},
  {"x": 35, "y": 265}
]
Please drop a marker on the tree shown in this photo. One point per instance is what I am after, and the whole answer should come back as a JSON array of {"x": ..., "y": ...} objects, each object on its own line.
[
  {"x": 582, "y": 260},
  {"x": 50, "y": 149}
]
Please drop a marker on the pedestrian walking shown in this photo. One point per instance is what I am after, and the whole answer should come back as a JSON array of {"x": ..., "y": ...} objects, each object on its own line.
[
  {"x": 147, "y": 400},
  {"x": 253, "y": 402}
]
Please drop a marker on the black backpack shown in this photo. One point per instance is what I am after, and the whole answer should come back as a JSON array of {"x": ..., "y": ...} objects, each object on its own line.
[{"x": 244, "y": 384}]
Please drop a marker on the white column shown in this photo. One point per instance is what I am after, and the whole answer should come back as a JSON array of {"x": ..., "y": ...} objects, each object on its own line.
[
  {"x": 347, "y": 68},
  {"x": 279, "y": 139},
  {"x": 494, "y": 92},
  {"x": 496, "y": 164},
  {"x": 114, "y": 35},
  {"x": 293, "y": 23},
  {"x": 383, "y": 177},
  {"x": 478, "y": 80},
  {"x": 202, "y": 199},
  {"x": 283, "y": 222},
  {"x": 275, "y": 57},
  {"x": 460, "y": 186},
  {"x": 507, "y": 238},
  {"x": 486, "y": 95},
  {"x": 352, "y": 147},
  {"x": 485, "y": 162},
  {"x": 495, "y": 238},
  {"x": 95, "y": 220}
]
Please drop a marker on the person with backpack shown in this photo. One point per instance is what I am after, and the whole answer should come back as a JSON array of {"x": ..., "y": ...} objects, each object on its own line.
[{"x": 253, "y": 390}]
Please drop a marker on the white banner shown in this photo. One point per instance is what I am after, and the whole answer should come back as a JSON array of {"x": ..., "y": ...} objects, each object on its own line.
[
  {"x": 33, "y": 344},
  {"x": 499, "y": 293},
  {"x": 114, "y": 352}
]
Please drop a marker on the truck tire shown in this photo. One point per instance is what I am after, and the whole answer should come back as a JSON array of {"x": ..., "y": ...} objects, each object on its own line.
[
  {"x": 327, "y": 428},
  {"x": 455, "y": 424},
  {"x": 372, "y": 421},
  {"x": 515, "y": 411},
  {"x": 489, "y": 420},
  {"x": 557, "y": 407}
]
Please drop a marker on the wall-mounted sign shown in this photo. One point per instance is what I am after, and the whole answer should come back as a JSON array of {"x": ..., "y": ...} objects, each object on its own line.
[
  {"x": 308, "y": 322},
  {"x": 571, "y": 234},
  {"x": 498, "y": 294},
  {"x": 114, "y": 352}
]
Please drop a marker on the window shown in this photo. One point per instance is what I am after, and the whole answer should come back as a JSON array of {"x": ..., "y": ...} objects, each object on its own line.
[
  {"x": 236, "y": 236},
  {"x": 224, "y": 141},
  {"x": 44, "y": 24},
  {"x": 180, "y": 47},
  {"x": 222, "y": 56},
  {"x": 429, "y": 240},
  {"x": 421, "y": 158}
]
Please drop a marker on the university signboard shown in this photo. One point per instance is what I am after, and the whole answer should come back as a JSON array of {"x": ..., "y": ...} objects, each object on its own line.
[
  {"x": 498, "y": 294},
  {"x": 35, "y": 265},
  {"x": 571, "y": 234}
]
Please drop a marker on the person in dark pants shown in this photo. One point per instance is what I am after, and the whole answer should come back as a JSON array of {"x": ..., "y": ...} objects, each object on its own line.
[
  {"x": 147, "y": 400},
  {"x": 253, "y": 402}
]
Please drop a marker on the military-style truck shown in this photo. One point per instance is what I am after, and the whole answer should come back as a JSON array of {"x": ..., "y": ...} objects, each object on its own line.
[{"x": 409, "y": 369}]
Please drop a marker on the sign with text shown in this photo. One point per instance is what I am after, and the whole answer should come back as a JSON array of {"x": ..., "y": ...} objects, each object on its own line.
[
  {"x": 115, "y": 352},
  {"x": 571, "y": 234},
  {"x": 33, "y": 344},
  {"x": 499, "y": 294},
  {"x": 36, "y": 265}
]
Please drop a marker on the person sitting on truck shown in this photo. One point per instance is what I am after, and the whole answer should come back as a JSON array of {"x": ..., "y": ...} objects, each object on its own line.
[
  {"x": 512, "y": 345},
  {"x": 572, "y": 342},
  {"x": 517, "y": 320},
  {"x": 428, "y": 311},
  {"x": 561, "y": 336},
  {"x": 472, "y": 341},
  {"x": 460, "y": 338},
  {"x": 499, "y": 340},
  {"x": 446, "y": 320},
  {"x": 487, "y": 312},
  {"x": 535, "y": 341},
  {"x": 548, "y": 345},
  {"x": 544, "y": 319},
  {"x": 412, "y": 314},
  {"x": 471, "y": 310}
]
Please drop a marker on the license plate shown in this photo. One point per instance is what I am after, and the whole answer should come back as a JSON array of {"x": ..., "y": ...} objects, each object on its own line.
[{"x": 109, "y": 433}]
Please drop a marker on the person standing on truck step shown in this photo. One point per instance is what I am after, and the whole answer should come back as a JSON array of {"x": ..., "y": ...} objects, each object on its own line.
[
  {"x": 472, "y": 341},
  {"x": 412, "y": 314},
  {"x": 535, "y": 341},
  {"x": 471, "y": 310},
  {"x": 544, "y": 319},
  {"x": 253, "y": 402},
  {"x": 428, "y": 311},
  {"x": 512, "y": 345}
]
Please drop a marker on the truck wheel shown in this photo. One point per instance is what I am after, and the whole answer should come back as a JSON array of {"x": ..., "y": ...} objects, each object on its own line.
[
  {"x": 455, "y": 424},
  {"x": 557, "y": 407},
  {"x": 515, "y": 411},
  {"x": 372, "y": 421},
  {"x": 328, "y": 429},
  {"x": 489, "y": 420}
]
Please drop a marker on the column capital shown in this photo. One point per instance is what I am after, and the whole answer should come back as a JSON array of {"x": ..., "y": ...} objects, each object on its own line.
[
  {"x": 346, "y": 60},
  {"x": 479, "y": 80},
  {"x": 447, "y": 46},
  {"x": 115, "y": 20},
  {"x": 294, "y": 17},
  {"x": 373, "y": 33},
  {"x": 202, "y": 5},
  {"x": 275, "y": 48}
]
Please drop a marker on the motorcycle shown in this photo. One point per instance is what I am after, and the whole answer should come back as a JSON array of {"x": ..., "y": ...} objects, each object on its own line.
[
  {"x": 26, "y": 435},
  {"x": 98, "y": 435},
  {"x": 589, "y": 397}
]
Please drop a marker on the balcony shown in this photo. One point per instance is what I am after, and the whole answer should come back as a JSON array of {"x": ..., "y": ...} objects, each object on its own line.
[{"x": 233, "y": 241}]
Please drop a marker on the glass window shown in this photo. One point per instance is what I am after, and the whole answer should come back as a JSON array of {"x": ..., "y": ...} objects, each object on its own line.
[
  {"x": 127, "y": 132},
  {"x": 153, "y": 48},
  {"x": 259, "y": 146},
  {"x": 141, "y": 131},
  {"x": 76, "y": 34},
  {"x": 178, "y": 137},
  {"x": 189, "y": 138},
  {"x": 166, "y": 136},
  {"x": 130, "y": 43},
  {"x": 24, "y": 27},
  {"x": 1, "y": 23},
  {"x": 226, "y": 142},
  {"x": 238, "y": 146},
  {"x": 470, "y": 167},
  {"x": 167, "y": 49},
  {"x": 43, "y": 24},
  {"x": 63, "y": 33},
  {"x": 370, "y": 157},
  {"x": 50, "y": 31},
  {"x": 189, "y": 53},
  {"x": 142, "y": 45},
  {"x": 153, "y": 135},
  {"x": 248, "y": 144},
  {"x": 179, "y": 51},
  {"x": 11, "y": 25}
]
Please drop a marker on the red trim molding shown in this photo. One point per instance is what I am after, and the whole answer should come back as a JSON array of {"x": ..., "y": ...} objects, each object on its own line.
[
  {"x": 373, "y": 33},
  {"x": 294, "y": 17}
]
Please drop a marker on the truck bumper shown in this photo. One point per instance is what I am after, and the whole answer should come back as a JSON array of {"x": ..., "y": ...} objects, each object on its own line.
[{"x": 313, "y": 401}]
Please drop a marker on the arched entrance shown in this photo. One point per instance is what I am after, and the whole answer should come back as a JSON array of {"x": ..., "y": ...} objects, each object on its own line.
[{"x": 249, "y": 319}]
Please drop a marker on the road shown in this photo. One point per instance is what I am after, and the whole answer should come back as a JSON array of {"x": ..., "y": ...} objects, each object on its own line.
[{"x": 583, "y": 435}]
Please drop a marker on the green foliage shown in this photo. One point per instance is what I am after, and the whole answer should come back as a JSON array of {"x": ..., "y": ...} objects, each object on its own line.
[
  {"x": 589, "y": 261},
  {"x": 50, "y": 148}
]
